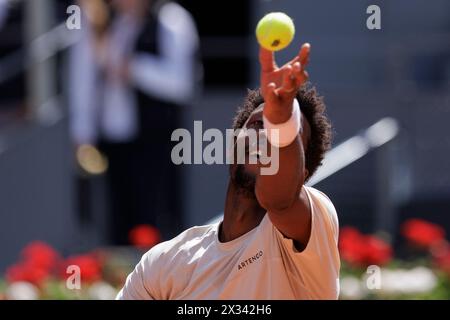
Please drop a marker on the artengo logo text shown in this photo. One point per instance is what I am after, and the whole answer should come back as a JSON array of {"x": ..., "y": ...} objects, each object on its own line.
[{"x": 245, "y": 263}]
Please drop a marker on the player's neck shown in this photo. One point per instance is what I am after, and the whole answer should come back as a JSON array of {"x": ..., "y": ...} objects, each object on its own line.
[{"x": 242, "y": 214}]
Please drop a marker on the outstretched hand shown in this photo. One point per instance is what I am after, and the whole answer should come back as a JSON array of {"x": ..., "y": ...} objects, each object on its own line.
[{"x": 279, "y": 85}]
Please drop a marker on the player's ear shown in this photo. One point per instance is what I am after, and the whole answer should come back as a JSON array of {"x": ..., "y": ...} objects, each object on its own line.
[{"x": 306, "y": 173}]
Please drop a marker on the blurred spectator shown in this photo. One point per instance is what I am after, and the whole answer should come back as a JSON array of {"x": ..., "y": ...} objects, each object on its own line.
[{"x": 128, "y": 78}]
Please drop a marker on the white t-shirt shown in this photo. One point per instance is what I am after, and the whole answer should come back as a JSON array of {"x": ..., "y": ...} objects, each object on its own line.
[{"x": 261, "y": 264}]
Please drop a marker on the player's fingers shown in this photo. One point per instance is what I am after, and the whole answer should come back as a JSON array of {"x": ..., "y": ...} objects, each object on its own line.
[
  {"x": 288, "y": 79},
  {"x": 271, "y": 94},
  {"x": 289, "y": 85},
  {"x": 267, "y": 60},
  {"x": 304, "y": 54},
  {"x": 297, "y": 68},
  {"x": 301, "y": 76}
]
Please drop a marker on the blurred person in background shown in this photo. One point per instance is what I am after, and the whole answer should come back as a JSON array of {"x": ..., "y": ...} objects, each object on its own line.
[{"x": 129, "y": 76}]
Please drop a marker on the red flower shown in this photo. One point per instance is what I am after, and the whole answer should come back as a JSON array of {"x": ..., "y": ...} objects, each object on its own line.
[
  {"x": 422, "y": 233},
  {"x": 26, "y": 272},
  {"x": 40, "y": 255},
  {"x": 378, "y": 252},
  {"x": 351, "y": 245},
  {"x": 363, "y": 250},
  {"x": 90, "y": 267},
  {"x": 144, "y": 236},
  {"x": 37, "y": 263}
]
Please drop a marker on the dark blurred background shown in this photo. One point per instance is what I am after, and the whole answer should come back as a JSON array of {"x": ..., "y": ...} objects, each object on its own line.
[{"x": 401, "y": 71}]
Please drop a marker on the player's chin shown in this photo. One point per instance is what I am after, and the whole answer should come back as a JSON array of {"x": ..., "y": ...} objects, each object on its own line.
[
  {"x": 247, "y": 170},
  {"x": 252, "y": 169},
  {"x": 244, "y": 178}
]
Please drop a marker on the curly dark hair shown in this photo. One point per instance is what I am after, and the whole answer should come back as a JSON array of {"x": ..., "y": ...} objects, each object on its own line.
[{"x": 313, "y": 108}]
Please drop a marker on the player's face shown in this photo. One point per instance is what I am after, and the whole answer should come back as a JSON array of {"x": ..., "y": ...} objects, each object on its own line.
[{"x": 244, "y": 174}]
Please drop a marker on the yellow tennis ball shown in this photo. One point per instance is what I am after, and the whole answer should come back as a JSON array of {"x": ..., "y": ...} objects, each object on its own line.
[{"x": 275, "y": 31}]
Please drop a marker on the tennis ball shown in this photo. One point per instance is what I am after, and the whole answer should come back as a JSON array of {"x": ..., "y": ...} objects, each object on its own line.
[{"x": 275, "y": 31}]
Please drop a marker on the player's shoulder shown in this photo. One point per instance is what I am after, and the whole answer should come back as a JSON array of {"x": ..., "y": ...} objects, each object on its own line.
[
  {"x": 318, "y": 196},
  {"x": 182, "y": 242},
  {"x": 323, "y": 203}
]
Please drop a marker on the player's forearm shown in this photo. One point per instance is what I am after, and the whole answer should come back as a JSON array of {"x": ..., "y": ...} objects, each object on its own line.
[{"x": 279, "y": 191}]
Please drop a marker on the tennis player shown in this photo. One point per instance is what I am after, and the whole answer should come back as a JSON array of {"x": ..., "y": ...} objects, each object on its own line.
[{"x": 278, "y": 238}]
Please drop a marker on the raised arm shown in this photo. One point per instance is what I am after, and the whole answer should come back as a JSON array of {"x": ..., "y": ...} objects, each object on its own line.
[{"x": 282, "y": 194}]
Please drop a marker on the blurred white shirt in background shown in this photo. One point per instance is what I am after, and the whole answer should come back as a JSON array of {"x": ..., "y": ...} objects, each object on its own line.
[{"x": 111, "y": 108}]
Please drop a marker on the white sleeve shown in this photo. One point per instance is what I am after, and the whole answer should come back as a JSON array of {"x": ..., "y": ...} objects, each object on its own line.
[
  {"x": 317, "y": 266},
  {"x": 332, "y": 214},
  {"x": 137, "y": 284},
  {"x": 170, "y": 75}
]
